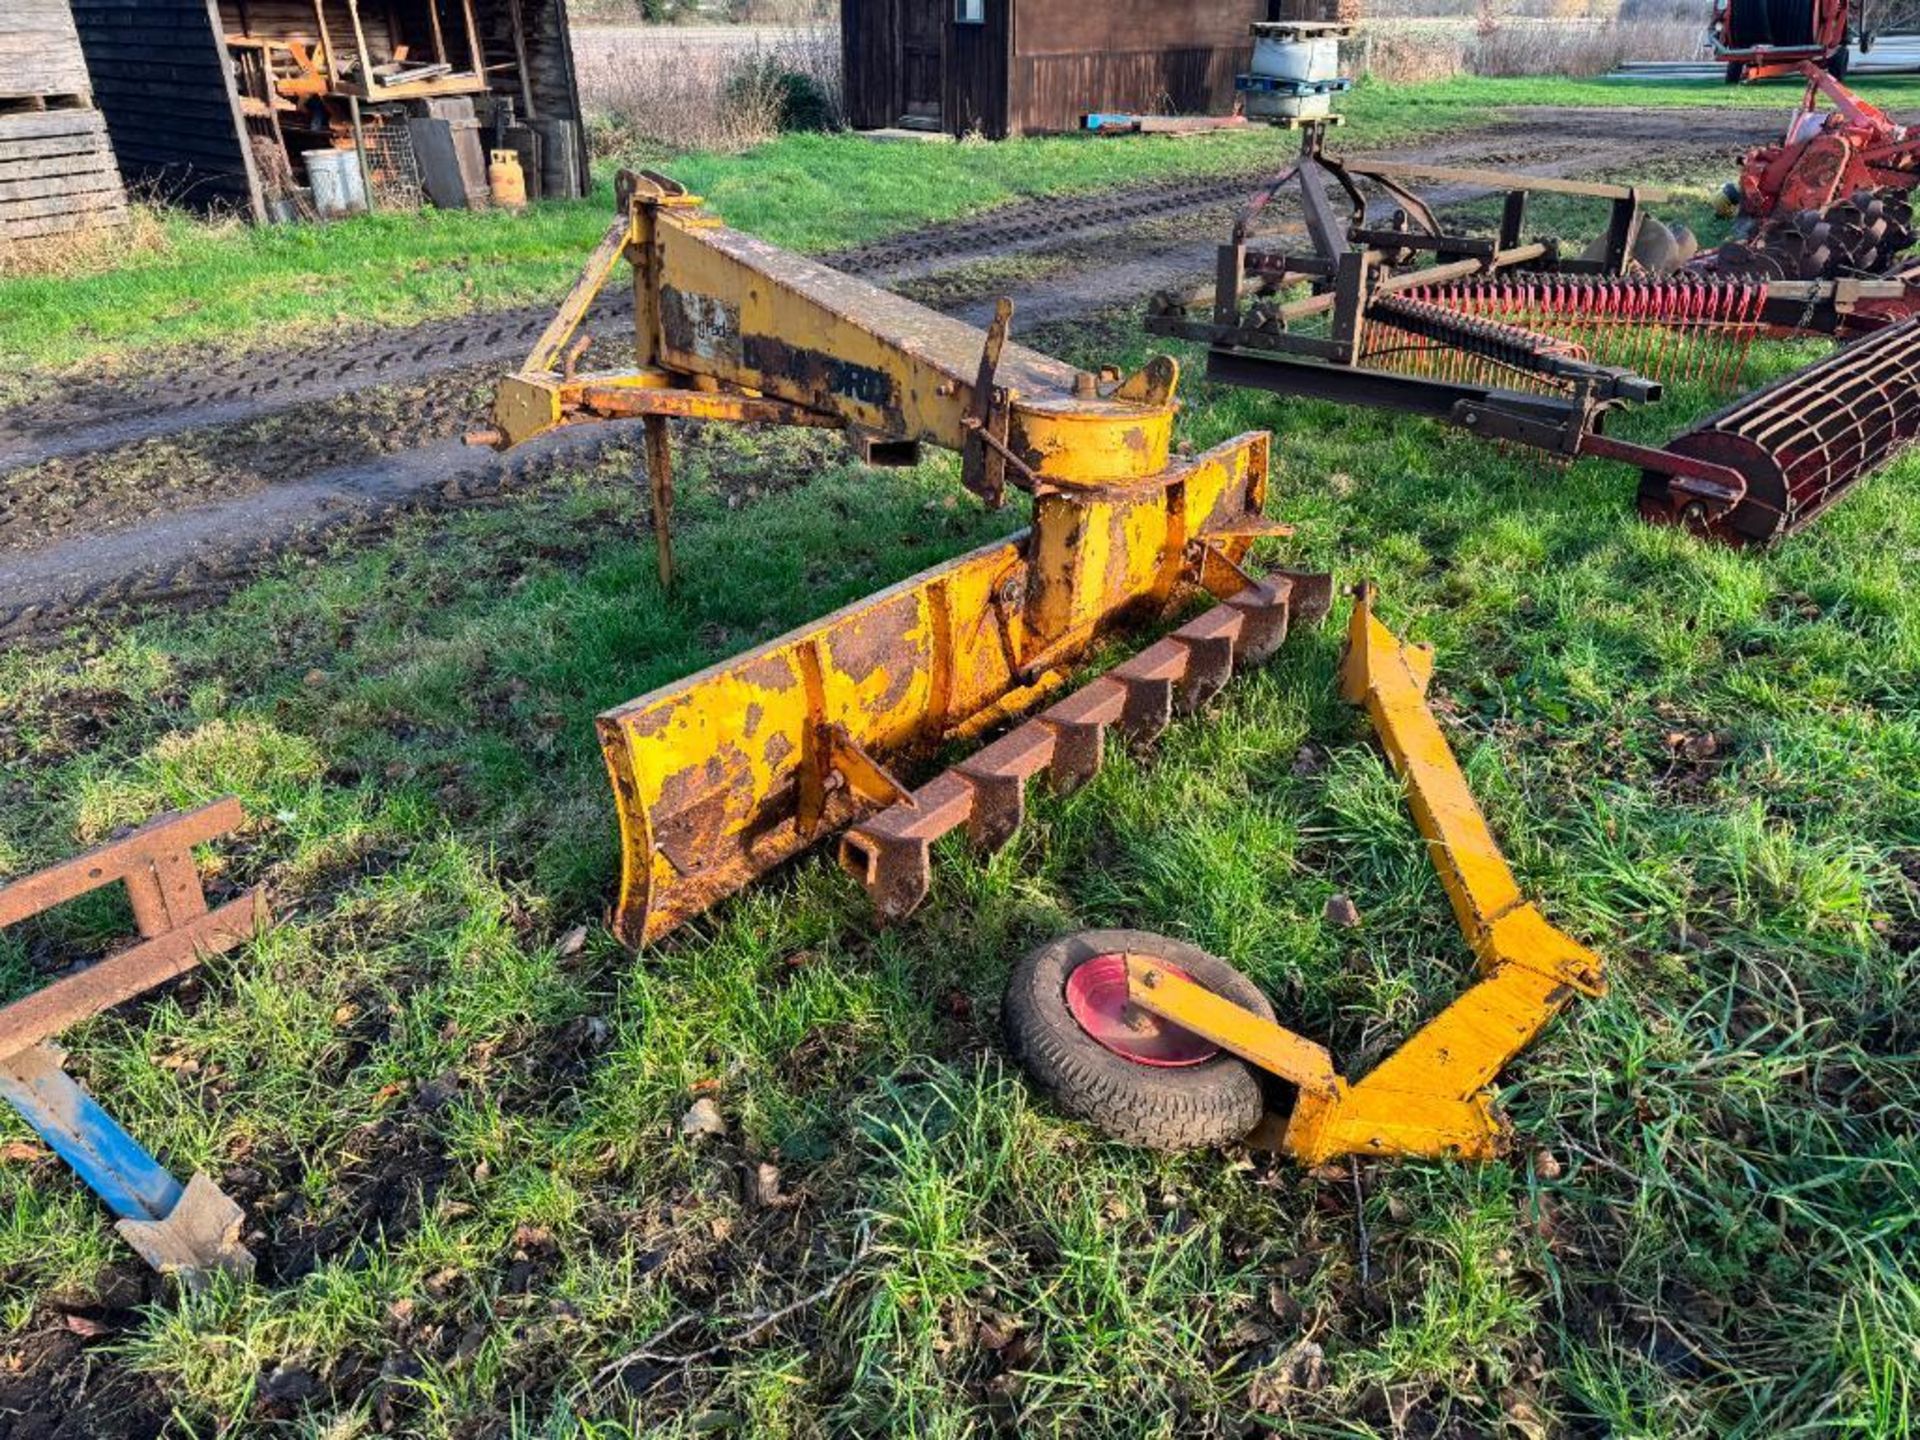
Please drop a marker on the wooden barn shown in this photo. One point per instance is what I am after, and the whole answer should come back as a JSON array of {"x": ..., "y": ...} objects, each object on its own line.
[
  {"x": 1022, "y": 67},
  {"x": 217, "y": 103},
  {"x": 56, "y": 165}
]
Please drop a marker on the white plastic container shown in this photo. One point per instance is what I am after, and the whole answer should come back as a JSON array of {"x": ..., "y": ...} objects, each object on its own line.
[
  {"x": 1295, "y": 52},
  {"x": 338, "y": 186},
  {"x": 1295, "y": 72}
]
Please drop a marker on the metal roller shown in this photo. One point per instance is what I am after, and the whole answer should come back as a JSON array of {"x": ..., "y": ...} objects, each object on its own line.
[{"x": 1801, "y": 442}]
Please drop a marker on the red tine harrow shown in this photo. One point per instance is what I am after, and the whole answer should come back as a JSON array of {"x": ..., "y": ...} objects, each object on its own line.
[{"x": 1521, "y": 344}]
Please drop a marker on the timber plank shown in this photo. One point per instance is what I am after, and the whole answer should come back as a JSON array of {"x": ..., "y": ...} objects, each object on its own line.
[
  {"x": 51, "y": 122},
  {"x": 84, "y": 151},
  {"x": 31, "y": 227},
  {"x": 53, "y": 205},
  {"x": 40, "y": 186}
]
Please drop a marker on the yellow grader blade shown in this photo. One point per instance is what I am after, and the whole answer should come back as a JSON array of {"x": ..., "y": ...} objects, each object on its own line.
[{"x": 723, "y": 775}]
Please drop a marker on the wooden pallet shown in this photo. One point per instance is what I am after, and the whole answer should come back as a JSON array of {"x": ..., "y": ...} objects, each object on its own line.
[
  {"x": 57, "y": 174},
  {"x": 57, "y": 171}
]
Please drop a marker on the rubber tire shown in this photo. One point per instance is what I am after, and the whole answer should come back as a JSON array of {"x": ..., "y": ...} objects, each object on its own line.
[
  {"x": 1736, "y": 72},
  {"x": 1840, "y": 61},
  {"x": 1161, "y": 1108}
]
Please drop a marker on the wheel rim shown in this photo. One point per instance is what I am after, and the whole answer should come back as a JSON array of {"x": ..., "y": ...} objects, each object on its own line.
[{"x": 1097, "y": 998}]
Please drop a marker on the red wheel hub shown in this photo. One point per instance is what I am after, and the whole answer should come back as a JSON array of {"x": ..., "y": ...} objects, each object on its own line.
[{"x": 1097, "y": 997}]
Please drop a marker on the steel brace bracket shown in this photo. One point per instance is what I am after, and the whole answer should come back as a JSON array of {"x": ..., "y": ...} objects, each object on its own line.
[{"x": 190, "y": 1231}]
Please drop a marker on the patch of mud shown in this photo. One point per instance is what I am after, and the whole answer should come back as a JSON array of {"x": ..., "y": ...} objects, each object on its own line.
[
  {"x": 58, "y": 1379},
  {"x": 99, "y": 492}
]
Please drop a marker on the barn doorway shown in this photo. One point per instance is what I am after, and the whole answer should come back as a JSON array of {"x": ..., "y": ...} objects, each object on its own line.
[{"x": 923, "y": 26}]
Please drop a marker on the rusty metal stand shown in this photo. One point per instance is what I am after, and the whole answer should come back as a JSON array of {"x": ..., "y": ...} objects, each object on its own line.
[
  {"x": 186, "y": 1230},
  {"x": 660, "y": 481}
]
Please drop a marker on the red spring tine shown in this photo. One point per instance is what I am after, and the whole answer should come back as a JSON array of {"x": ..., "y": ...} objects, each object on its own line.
[
  {"x": 1659, "y": 354},
  {"x": 1724, "y": 306},
  {"x": 1721, "y": 312},
  {"x": 1667, "y": 337},
  {"x": 1600, "y": 305},
  {"x": 1742, "y": 303},
  {"x": 1680, "y": 316},
  {"x": 1637, "y": 342},
  {"x": 1691, "y": 307}
]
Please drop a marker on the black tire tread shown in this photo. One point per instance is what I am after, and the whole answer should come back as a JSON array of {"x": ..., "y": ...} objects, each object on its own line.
[{"x": 1214, "y": 1103}]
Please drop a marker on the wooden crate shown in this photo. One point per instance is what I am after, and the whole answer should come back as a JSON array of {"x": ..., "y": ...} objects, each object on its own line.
[{"x": 39, "y": 52}]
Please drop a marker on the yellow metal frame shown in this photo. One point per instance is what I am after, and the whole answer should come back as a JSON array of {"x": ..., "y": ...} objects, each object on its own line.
[
  {"x": 721, "y": 315},
  {"x": 725, "y": 774},
  {"x": 1431, "y": 1096}
]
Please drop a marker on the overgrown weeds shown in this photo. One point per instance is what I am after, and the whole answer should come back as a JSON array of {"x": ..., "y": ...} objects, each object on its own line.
[
  {"x": 1495, "y": 42},
  {"x": 145, "y": 233},
  {"x": 706, "y": 92}
]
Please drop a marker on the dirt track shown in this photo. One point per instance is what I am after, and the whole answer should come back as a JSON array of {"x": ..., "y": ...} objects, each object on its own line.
[{"x": 172, "y": 488}]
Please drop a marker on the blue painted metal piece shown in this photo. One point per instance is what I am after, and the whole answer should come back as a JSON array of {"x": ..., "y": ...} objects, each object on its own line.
[
  {"x": 1279, "y": 85},
  {"x": 134, "y": 1185}
]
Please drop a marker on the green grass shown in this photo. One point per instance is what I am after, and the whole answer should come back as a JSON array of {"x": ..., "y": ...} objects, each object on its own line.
[
  {"x": 457, "y": 1138},
  {"x": 238, "y": 286}
]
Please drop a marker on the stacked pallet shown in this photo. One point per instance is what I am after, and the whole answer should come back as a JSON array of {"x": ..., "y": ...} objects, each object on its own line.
[{"x": 57, "y": 171}]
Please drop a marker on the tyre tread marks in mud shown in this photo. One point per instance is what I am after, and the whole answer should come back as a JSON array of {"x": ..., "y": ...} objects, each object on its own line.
[
  {"x": 1043, "y": 219},
  {"x": 276, "y": 381},
  {"x": 1213, "y": 1103},
  {"x": 209, "y": 576}
]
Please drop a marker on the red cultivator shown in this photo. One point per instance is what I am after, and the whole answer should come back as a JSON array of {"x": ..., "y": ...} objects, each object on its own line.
[
  {"x": 1516, "y": 342},
  {"x": 1834, "y": 197}
]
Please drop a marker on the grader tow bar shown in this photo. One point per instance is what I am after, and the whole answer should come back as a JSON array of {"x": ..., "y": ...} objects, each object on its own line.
[
  {"x": 722, "y": 776},
  {"x": 1155, "y": 1041}
]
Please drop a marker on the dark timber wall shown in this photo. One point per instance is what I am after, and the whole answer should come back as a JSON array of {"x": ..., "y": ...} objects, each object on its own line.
[
  {"x": 160, "y": 75},
  {"x": 1033, "y": 66},
  {"x": 1127, "y": 55},
  {"x": 56, "y": 165}
]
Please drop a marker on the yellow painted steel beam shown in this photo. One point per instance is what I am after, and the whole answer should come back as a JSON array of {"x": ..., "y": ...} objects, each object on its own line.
[
  {"x": 1432, "y": 1096},
  {"x": 721, "y": 306},
  {"x": 1274, "y": 1048}
]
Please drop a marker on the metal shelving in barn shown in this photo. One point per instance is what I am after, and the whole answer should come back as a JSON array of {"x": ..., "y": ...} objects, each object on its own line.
[{"x": 57, "y": 172}]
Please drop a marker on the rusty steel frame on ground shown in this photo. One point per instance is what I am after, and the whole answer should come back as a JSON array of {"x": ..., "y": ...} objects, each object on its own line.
[{"x": 189, "y": 1230}]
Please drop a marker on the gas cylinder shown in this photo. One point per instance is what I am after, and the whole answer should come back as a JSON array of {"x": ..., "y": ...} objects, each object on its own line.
[{"x": 507, "y": 181}]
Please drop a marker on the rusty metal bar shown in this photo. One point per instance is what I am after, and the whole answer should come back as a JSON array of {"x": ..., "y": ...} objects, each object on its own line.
[
  {"x": 891, "y": 853},
  {"x": 131, "y": 854},
  {"x": 1505, "y": 180},
  {"x": 1431, "y": 275}
]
